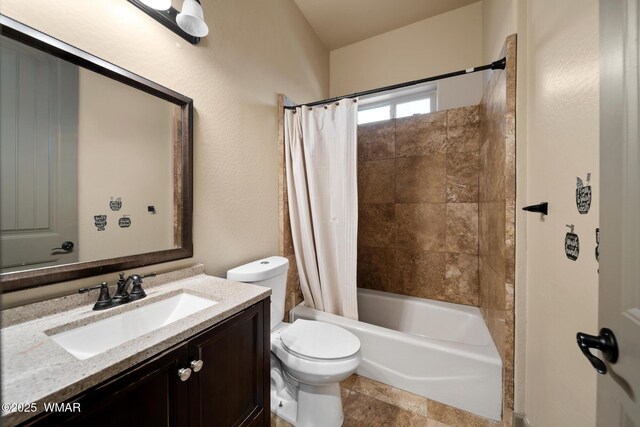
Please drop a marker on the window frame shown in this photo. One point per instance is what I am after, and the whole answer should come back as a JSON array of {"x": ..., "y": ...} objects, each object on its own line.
[{"x": 431, "y": 94}]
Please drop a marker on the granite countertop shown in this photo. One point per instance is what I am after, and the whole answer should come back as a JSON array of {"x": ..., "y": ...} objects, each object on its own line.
[{"x": 36, "y": 369}]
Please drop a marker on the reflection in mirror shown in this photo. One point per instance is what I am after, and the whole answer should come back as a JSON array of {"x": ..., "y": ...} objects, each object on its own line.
[
  {"x": 85, "y": 160},
  {"x": 93, "y": 165}
]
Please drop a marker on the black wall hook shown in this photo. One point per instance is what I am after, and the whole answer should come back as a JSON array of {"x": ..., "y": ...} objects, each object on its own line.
[{"x": 542, "y": 208}]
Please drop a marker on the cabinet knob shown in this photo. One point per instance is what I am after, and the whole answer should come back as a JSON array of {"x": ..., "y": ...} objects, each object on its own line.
[
  {"x": 184, "y": 374},
  {"x": 196, "y": 365}
]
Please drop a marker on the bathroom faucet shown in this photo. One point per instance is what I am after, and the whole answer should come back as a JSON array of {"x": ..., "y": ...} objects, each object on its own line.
[
  {"x": 122, "y": 295},
  {"x": 104, "y": 300}
]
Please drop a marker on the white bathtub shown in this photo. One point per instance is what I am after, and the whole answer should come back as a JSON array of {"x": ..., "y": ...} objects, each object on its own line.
[{"x": 438, "y": 350}]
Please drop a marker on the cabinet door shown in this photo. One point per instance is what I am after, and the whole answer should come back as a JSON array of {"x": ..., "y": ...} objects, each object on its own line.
[
  {"x": 231, "y": 389},
  {"x": 150, "y": 394}
]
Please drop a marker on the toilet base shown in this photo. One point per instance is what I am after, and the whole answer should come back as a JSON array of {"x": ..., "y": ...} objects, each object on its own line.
[
  {"x": 319, "y": 405},
  {"x": 284, "y": 392},
  {"x": 283, "y": 408},
  {"x": 304, "y": 405}
]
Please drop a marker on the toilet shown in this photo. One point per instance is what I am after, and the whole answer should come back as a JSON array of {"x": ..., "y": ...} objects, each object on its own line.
[{"x": 308, "y": 358}]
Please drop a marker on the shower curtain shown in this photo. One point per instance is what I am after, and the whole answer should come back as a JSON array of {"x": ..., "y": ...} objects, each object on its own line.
[{"x": 321, "y": 165}]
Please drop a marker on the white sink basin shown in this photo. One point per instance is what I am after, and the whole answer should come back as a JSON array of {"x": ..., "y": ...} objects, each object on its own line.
[{"x": 87, "y": 341}]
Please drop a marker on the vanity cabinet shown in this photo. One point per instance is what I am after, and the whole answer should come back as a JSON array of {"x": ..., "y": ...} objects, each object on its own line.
[{"x": 230, "y": 389}]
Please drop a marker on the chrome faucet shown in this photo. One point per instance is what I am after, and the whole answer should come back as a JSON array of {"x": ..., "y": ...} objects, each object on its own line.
[{"x": 122, "y": 295}]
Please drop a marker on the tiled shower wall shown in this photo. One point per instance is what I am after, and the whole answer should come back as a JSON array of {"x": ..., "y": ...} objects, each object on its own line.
[
  {"x": 285, "y": 241},
  {"x": 497, "y": 214},
  {"x": 418, "y": 205}
]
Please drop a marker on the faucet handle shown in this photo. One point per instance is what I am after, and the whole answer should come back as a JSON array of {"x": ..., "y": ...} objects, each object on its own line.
[
  {"x": 85, "y": 290},
  {"x": 137, "y": 292},
  {"x": 104, "y": 300}
]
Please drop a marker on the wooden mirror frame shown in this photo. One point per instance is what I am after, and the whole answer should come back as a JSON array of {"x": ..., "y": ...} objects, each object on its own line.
[{"x": 183, "y": 192}]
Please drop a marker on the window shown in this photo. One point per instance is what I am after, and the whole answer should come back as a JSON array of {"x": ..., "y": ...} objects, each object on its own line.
[
  {"x": 402, "y": 103},
  {"x": 374, "y": 114},
  {"x": 421, "y": 106}
]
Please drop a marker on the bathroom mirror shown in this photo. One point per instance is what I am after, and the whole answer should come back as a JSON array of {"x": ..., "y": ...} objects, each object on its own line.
[{"x": 95, "y": 169}]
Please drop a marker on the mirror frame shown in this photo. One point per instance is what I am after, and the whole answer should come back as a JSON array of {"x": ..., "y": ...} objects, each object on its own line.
[{"x": 15, "y": 281}]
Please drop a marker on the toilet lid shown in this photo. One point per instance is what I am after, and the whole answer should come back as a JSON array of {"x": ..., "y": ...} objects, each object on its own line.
[{"x": 319, "y": 340}]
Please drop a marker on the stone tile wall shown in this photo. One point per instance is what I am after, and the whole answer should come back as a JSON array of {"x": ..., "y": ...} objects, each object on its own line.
[
  {"x": 497, "y": 215},
  {"x": 418, "y": 205},
  {"x": 285, "y": 241}
]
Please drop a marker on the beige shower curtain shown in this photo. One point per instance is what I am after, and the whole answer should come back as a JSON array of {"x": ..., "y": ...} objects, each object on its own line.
[{"x": 321, "y": 160}]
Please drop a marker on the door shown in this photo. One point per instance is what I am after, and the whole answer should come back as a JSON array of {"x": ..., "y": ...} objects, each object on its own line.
[
  {"x": 38, "y": 151},
  {"x": 231, "y": 388},
  {"x": 619, "y": 297},
  {"x": 149, "y": 395}
]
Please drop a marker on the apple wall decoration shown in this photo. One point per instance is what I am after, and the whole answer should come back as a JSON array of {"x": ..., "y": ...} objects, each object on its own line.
[{"x": 571, "y": 244}]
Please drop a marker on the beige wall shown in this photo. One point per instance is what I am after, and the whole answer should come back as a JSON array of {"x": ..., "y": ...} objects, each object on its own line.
[
  {"x": 557, "y": 122},
  {"x": 448, "y": 42},
  {"x": 124, "y": 151},
  {"x": 460, "y": 91},
  {"x": 562, "y": 296},
  {"x": 253, "y": 51},
  {"x": 499, "y": 19}
]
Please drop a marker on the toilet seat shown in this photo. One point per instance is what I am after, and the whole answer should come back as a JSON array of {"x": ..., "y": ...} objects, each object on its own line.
[
  {"x": 304, "y": 367},
  {"x": 319, "y": 340}
]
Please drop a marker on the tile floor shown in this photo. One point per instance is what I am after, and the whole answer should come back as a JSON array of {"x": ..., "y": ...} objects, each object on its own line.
[{"x": 370, "y": 403}]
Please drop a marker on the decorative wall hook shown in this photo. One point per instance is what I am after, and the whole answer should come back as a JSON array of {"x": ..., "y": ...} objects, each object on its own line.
[{"x": 542, "y": 208}]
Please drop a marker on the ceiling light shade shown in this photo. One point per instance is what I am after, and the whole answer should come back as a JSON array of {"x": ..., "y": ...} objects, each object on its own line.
[
  {"x": 191, "y": 19},
  {"x": 158, "y": 4}
]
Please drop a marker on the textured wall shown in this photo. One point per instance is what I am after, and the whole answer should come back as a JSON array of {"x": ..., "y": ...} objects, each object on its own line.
[
  {"x": 418, "y": 210},
  {"x": 562, "y": 144},
  {"x": 440, "y": 44},
  {"x": 497, "y": 214},
  {"x": 499, "y": 19},
  {"x": 254, "y": 50}
]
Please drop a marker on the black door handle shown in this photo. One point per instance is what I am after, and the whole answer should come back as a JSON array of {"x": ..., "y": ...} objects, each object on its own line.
[
  {"x": 605, "y": 342},
  {"x": 66, "y": 246}
]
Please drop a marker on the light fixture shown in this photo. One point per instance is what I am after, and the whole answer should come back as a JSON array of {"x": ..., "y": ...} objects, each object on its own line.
[
  {"x": 191, "y": 19},
  {"x": 188, "y": 24},
  {"x": 157, "y": 4}
]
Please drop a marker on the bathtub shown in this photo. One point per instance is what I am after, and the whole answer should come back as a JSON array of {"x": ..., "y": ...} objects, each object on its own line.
[{"x": 438, "y": 350}]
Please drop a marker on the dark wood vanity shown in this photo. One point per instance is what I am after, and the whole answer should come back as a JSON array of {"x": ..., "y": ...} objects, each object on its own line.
[{"x": 231, "y": 388}]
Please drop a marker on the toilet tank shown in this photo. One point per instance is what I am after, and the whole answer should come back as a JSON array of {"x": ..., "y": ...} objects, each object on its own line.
[{"x": 269, "y": 272}]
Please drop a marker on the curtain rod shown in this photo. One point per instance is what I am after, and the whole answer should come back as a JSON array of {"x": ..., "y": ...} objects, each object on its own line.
[{"x": 499, "y": 64}]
